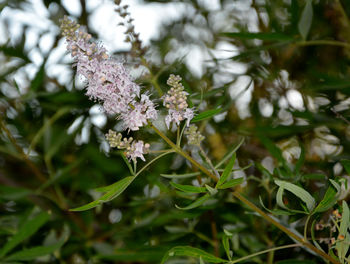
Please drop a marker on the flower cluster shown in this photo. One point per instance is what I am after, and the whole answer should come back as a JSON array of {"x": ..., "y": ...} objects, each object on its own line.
[
  {"x": 194, "y": 137},
  {"x": 176, "y": 101},
  {"x": 133, "y": 149},
  {"x": 108, "y": 81}
]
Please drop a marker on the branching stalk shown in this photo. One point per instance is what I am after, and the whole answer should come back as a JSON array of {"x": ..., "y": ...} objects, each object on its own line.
[
  {"x": 263, "y": 252},
  {"x": 245, "y": 201}
]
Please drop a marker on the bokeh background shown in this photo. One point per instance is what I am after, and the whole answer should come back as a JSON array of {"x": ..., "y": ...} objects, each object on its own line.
[{"x": 285, "y": 89}]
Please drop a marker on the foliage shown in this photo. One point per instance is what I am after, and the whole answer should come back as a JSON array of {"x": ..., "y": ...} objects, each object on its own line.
[{"x": 268, "y": 182}]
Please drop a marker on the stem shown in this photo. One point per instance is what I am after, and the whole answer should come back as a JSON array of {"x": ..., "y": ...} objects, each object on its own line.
[
  {"x": 182, "y": 132},
  {"x": 283, "y": 228},
  {"x": 263, "y": 252},
  {"x": 182, "y": 153},
  {"x": 149, "y": 163},
  {"x": 39, "y": 175},
  {"x": 159, "y": 151},
  {"x": 244, "y": 200},
  {"x": 48, "y": 123},
  {"x": 203, "y": 237},
  {"x": 135, "y": 166},
  {"x": 29, "y": 163},
  {"x": 214, "y": 233},
  {"x": 209, "y": 162},
  {"x": 323, "y": 42},
  {"x": 178, "y": 136},
  {"x": 305, "y": 227}
]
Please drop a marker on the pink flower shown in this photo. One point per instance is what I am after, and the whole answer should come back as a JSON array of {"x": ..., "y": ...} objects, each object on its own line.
[
  {"x": 107, "y": 80},
  {"x": 133, "y": 149},
  {"x": 176, "y": 101}
]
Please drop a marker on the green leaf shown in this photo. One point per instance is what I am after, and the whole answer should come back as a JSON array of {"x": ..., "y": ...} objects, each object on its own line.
[
  {"x": 256, "y": 50},
  {"x": 26, "y": 230},
  {"x": 226, "y": 244},
  {"x": 342, "y": 246},
  {"x": 329, "y": 199},
  {"x": 276, "y": 211},
  {"x": 196, "y": 203},
  {"x": 231, "y": 183},
  {"x": 257, "y": 35},
  {"x": 230, "y": 153},
  {"x": 136, "y": 254},
  {"x": 313, "y": 237},
  {"x": 305, "y": 21},
  {"x": 211, "y": 190},
  {"x": 227, "y": 171},
  {"x": 180, "y": 176},
  {"x": 299, "y": 192},
  {"x": 39, "y": 78},
  {"x": 279, "y": 198},
  {"x": 189, "y": 188},
  {"x": 35, "y": 252},
  {"x": 14, "y": 52},
  {"x": 300, "y": 161},
  {"x": 277, "y": 153},
  {"x": 112, "y": 190},
  {"x": 13, "y": 193},
  {"x": 191, "y": 252},
  {"x": 314, "y": 176},
  {"x": 206, "y": 115},
  {"x": 346, "y": 165}
]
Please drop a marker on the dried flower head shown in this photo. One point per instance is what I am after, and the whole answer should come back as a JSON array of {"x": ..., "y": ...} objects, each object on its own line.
[
  {"x": 194, "y": 137},
  {"x": 133, "y": 149},
  {"x": 176, "y": 101}
]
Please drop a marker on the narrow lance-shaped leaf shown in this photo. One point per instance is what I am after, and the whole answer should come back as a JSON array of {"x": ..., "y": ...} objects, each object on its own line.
[
  {"x": 191, "y": 252},
  {"x": 180, "y": 176},
  {"x": 342, "y": 246},
  {"x": 227, "y": 171},
  {"x": 329, "y": 199},
  {"x": 189, "y": 188},
  {"x": 196, "y": 203},
  {"x": 230, "y": 153},
  {"x": 206, "y": 115},
  {"x": 28, "y": 229},
  {"x": 226, "y": 244},
  {"x": 275, "y": 211},
  {"x": 305, "y": 21},
  {"x": 113, "y": 191},
  {"x": 279, "y": 198},
  {"x": 272, "y": 36},
  {"x": 299, "y": 192},
  {"x": 231, "y": 183},
  {"x": 35, "y": 252},
  {"x": 211, "y": 190},
  {"x": 346, "y": 165}
]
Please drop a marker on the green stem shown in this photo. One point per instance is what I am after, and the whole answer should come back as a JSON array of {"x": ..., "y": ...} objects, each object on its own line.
[
  {"x": 263, "y": 252},
  {"x": 159, "y": 151},
  {"x": 244, "y": 200},
  {"x": 306, "y": 225},
  {"x": 283, "y": 228},
  {"x": 182, "y": 153},
  {"x": 323, "y": 42},
  {"x": 209, "y": 162},
  {"x": 26, "y": 159},
  {"x": 48, "y": 123},
  {"x": 149, "y": 163}
]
